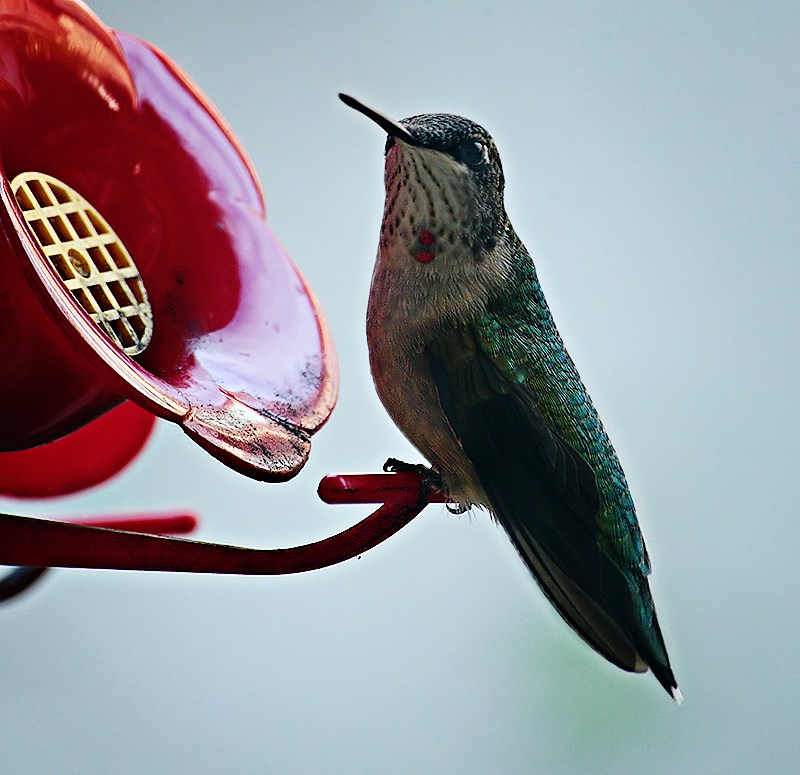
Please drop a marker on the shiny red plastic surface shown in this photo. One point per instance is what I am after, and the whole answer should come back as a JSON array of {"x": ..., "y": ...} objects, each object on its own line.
[
  {"x": 83, "y": 458},
  {"x": 241, "y": 356},
  {"x": 401, "y": 487}
]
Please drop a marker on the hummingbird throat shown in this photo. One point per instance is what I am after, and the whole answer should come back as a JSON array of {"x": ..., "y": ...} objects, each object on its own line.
[{"x": 427, "y": 208}]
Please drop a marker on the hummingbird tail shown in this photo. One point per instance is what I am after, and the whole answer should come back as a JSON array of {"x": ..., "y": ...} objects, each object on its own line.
[{"x": 598, "y": 619}]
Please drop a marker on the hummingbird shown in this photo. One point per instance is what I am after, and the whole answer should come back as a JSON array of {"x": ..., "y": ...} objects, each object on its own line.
[{"x": 469, "y": 364}]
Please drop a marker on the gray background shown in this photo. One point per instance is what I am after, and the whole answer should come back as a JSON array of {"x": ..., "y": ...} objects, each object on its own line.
[{"x": 651, "y": 153}]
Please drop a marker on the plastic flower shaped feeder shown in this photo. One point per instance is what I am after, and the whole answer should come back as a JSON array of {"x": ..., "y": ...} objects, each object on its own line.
[
  {"x": 137, "y": 265},
  {"x": 137, "y": 260}
]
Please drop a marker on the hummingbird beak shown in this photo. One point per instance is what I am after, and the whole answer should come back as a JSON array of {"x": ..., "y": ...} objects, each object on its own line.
[{"x": 394, "y": 128}]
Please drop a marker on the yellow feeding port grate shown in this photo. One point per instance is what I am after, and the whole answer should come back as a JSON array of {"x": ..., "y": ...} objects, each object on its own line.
[{"x": 89, "y": 258}]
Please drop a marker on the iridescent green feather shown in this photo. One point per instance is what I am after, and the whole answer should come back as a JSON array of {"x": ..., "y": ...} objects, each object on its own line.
[{"x": 519, "y": 335}]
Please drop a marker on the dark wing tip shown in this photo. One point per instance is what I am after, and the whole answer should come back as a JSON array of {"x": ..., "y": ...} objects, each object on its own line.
[{"x": 666, "y": 678}]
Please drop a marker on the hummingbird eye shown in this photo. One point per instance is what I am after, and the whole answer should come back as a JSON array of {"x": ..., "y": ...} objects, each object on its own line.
[{"x": 472, "y": 152}]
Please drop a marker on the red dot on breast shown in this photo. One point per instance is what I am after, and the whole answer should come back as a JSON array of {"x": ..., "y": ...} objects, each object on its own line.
[
  {"x": 425, "y": 257},
  {"x": 426, "y": 238}
]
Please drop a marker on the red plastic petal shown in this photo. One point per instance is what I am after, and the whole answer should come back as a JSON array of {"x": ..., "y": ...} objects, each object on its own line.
[
  {"x": 79, "y": 460},
  {"x": 240, "y": 353},
  {"x": 155, "y": 524}
]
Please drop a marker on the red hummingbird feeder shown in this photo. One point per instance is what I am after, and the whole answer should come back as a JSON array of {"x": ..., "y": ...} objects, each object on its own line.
[{"x": 141, "y": 280}]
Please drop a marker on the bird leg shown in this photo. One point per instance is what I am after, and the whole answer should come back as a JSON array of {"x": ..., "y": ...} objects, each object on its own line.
[{"x": 430, "y": 478}]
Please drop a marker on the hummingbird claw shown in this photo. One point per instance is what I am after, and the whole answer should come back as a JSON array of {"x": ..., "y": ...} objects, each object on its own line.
[{"x": 430, "y": 479}]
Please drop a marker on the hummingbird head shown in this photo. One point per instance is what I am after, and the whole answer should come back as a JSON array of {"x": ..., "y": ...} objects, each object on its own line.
[{"x": 444, "y": 184}]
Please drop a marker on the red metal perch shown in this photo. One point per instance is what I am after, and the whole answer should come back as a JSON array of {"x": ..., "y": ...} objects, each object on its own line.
[{"x": 26, "y": 541}]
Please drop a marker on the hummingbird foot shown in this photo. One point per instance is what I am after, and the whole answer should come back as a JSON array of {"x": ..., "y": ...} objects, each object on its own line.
[{"x": 430, "y": 479}]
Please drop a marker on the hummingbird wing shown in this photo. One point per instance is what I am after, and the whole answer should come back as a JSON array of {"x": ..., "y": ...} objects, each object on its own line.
[{"x": 545, "y": 495}]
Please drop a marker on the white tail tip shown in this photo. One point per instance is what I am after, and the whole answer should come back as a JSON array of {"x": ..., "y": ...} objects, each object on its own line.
[{"x": 677, "y": 695}]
